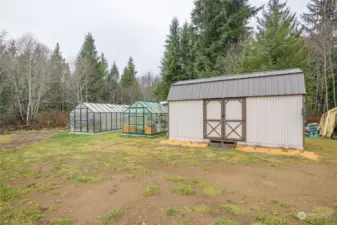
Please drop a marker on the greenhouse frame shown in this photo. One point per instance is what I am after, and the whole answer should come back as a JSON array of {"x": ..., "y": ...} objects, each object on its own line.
[
  {"x": 93, "y": 118},
  {"x": 145, "y": 118}
]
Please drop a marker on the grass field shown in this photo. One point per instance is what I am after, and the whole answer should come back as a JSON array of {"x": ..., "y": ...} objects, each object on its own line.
[{"x": 59, "y": 178}]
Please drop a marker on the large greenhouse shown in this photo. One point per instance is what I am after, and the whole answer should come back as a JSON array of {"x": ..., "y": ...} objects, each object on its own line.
[
  {"x": 145, "y": 118},
  {"x": 92, "y": 118}
]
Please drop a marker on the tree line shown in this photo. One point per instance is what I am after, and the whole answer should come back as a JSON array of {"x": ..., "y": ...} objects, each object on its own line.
[
  {"x": 34, "y": 78},
  {"x": 219, "y": 41}
]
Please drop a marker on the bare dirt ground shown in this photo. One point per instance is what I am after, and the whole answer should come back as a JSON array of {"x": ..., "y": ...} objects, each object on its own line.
[
  {"x": 299, "y": 188},
  {"x": 77, "y": 186},
  {"x": 26, "y": 138}
]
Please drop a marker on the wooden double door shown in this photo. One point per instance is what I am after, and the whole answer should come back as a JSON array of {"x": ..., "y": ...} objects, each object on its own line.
[{"x": 225, "y": 119}]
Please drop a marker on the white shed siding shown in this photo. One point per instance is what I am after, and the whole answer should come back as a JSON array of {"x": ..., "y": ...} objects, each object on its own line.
[
  {"x": 275, "y": 121},
  {"x": 186, "y": 120}
]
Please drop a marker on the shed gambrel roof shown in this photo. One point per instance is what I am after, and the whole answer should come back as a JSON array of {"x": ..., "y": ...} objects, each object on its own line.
[{"x": 269, "y": 83}]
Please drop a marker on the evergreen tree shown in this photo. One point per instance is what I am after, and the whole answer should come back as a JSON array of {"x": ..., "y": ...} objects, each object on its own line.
[
  {"x": 88, "y": 55},
  {"x": 278, "y": 44},
  {"x": 321, "y": 27},
  {"x": 56, "y": 95},
  {"x": 114, "y": 72},
  {"x": 129, "y": 74},
  {"x": 112, "y": 86},
  {"x": 129, "y": 84},
  {"x": 219, "y": 24},
  {"x": 171, "y": 68},
  {"x": 104, "y": 67},
  {"x": 187, "y": 52}
]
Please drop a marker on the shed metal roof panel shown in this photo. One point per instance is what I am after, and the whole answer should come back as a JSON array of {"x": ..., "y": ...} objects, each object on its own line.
[{"x": 270, "y": 83}]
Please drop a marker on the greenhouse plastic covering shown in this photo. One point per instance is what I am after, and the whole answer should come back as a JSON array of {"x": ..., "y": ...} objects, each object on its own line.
[
  {"x": 96, "y": 118},
  {"x": 95, "y": 107},
  {"x": 145, "y": 118}
]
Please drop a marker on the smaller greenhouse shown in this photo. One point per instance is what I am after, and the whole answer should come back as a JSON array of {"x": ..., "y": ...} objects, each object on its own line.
[
  {"x": 92, "y": 118},
  {"x": 145, "y": 118}
]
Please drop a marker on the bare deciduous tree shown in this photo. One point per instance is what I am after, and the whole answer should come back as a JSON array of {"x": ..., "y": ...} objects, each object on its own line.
[
  {"x": 80, "y": 80},
  {"x": 146, "y": 83},
  {"x": 29, "y": 77}
]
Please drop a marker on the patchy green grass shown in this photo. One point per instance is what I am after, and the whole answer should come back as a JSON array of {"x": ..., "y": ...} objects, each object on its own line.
[
  {"x": 284, "y": 205},
  {"x": 254, "y": 208},
  {"x": 130, "y": 176},
  {"x": 270, "y": 220},
  {"x": 273, "y": 201},
  {"x": 325, "y": 148},
  {"x": 112, "y": 215},
  {"x": 323, "y": 210},
  {"x": 87, "y": 179},
  {"x": 183, "y": 222},
  {"x": 150, "y": 190},
  {"x": 201, "y": 209},
  {"x": 102, "y": 155},
  {"x": 262, "y": 175},
  {"x": 172, "y": 211},
  {"x": 184, "y": 180},
  {"x": 7, "y": 192},
  {"x": 6, "y": 138},
  {"x": 211, "y": 190},
  {"x": 206, "y": 189},
  {"x": 220, "y": 221},
  {"x": 29, "y": 213},
  {"x": 322, "y": 216},
  {"x": 277, "y": 202},
  {"x": 183, "y": 190},
  {"x": 233, "y": 210},
  {"x": 149, "y": 172},
  {"x": 65, "y": 221},
  {"x": 47, "y": 186},
  {"x": 228, "y": 190}
]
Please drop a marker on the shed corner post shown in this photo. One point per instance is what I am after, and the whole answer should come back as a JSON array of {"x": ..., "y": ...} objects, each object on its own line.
[
  {"x": 222, "y": 119},
  {"x": 168, "y": 119},
  {"x": 204, "y": 117},
  {"x": 244, "y": 117},
  {"x": 303, "y": 121}
]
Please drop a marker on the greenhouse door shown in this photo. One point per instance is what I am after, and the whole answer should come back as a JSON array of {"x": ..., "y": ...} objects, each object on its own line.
[
  {"x": 140, "y": 121},
  {"x": 136, "y": 120},
  {"x": 225, "y": 119}
]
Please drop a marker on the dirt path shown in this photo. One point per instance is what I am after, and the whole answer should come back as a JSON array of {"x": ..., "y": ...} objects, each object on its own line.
[{"x": 26, "y": 138}]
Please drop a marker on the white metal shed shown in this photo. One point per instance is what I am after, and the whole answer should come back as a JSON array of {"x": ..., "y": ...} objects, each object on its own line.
[
  {"x": 258, "y": 109},
  {"x": 93, "y": 118}
]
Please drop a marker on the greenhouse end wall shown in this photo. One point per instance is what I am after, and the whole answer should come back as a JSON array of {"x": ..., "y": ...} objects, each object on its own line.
[{"x": 145, "y": 118}]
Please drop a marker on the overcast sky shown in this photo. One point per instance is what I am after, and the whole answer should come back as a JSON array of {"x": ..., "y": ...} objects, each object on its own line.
[{"x": 121, "y": 28}]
